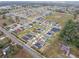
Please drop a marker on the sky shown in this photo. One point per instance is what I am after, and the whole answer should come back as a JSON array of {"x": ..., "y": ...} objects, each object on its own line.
[{"x": 39, "y": 0}]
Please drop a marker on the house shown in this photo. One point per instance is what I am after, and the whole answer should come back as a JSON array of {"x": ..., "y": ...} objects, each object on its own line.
[
  {"x": 39, "y": 44},
  {"x": 55, "y": 29},
  {"x": 66, "y": 49},
  {"x": 5, "y": 50}
]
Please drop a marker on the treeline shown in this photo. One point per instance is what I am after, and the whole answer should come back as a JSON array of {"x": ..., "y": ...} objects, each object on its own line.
[
  {"x": 70, "y": 33},
  {"x": 3, "y": 11}
]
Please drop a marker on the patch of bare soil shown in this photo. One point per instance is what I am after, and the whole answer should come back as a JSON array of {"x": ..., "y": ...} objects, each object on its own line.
[{"x": 22, "y": 54}]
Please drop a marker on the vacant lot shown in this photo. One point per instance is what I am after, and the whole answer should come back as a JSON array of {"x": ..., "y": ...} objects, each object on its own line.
[
  {"x": 7, "y": 21},
  {"x": 53, "y": 48},
  {"x": 59, "y": 17},
  {"x": 1, "y": 21},
  {"x": 22, "y": 54}
]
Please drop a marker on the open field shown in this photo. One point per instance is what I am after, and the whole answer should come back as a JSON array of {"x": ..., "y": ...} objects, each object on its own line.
[
  {"x": 59, "y": 17},
  {"x": 7, "y": 21},
  {"x": 22, "y": 54},
  {"x": 53, "y": 48}
]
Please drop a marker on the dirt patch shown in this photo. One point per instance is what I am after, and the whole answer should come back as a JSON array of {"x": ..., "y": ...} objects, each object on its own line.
[
  {"x": 7, "y": 21},
  {"x": 22, "y": 54},
  {"x": 1, "y": 21}
]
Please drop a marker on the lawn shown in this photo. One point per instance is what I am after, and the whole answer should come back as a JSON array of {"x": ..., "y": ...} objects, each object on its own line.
[
  {"x": 30, "y": 18},
  {"x": 23, "y": 33},
  {"x": 59, "y": 17},
  {"x": 26, "y": 31},
  {"x": 38, "y": 26},
  {"x": 75, "y": 51}
]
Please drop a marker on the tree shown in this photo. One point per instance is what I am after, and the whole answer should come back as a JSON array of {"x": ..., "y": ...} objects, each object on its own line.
[
  {"x": 5, "y": 42},
  {"x": 3, "y": 16},
  {"x": 13, "y": 50},
  {"x": 17, "y": 19},
  {"x": 75, "y": 13},
  {"x": 1, "y": 53},
  {"x": 1, "y": 33},
  {"x": 69, "y": 33},
  {"x": 4, "y": 24},
  {"x": 11, "y": 20}
]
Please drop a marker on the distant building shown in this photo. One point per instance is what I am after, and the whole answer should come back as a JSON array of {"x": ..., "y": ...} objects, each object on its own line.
[{"x": 5, "y": 7}]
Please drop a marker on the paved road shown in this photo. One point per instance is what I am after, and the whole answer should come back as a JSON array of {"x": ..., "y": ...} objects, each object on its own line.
[{"x": 34, "y": 53}]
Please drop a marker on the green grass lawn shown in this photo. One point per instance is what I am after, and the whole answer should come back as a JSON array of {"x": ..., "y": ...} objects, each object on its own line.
[{"x": 58, "y": 17}]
